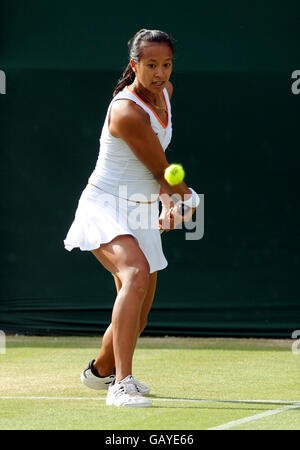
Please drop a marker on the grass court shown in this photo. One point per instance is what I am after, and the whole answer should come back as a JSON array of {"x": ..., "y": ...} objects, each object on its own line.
[{"x": 196, "y": 384}]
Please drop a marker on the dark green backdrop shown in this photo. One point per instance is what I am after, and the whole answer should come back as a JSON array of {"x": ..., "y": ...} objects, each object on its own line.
[{"x": 236, "y": 131}]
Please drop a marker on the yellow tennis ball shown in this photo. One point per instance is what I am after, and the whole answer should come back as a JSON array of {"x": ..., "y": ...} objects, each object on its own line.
[{"x": 174, "y": 174}]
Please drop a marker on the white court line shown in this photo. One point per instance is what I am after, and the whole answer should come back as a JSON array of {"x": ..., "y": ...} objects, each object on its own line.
[
  {"x": 158, "y": 399},
  {"x": 234, "y": 423}
]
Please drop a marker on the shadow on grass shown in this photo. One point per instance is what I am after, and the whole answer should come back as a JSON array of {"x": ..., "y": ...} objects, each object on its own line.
[{"x": 239, "y": 402}]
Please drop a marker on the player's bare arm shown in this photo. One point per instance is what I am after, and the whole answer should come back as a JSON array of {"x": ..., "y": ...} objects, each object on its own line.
[{"x": 132, "y": 124}]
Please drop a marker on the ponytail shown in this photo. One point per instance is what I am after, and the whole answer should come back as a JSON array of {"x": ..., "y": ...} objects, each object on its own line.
[
  {"x": 127, "y": 79},
  {"x": 134, "y": 45}
]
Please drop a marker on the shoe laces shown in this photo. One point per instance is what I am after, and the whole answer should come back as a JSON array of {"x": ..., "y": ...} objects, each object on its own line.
[{"x": 126, "y": 388}]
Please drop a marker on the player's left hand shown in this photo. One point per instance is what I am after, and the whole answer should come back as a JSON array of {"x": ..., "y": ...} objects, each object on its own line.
[
  {"x": 166, "y": 220},
  {"x": 169, "y": 219}
]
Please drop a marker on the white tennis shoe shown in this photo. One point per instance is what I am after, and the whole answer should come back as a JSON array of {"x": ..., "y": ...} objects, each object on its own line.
[
  {"x": 90, "y": 378},
  {"x": 125, "y": 393},
  {"x": 142, "y": 388}
]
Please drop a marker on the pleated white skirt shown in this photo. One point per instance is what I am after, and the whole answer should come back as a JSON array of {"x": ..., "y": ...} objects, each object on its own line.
[{"x": 100, "y": 217}]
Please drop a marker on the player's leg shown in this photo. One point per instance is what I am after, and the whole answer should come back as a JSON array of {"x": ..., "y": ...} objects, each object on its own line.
[
  {"x": 148, "y": 300},
  {"x": 105, "y": 363},
  {"x": 124, "y": 258}
]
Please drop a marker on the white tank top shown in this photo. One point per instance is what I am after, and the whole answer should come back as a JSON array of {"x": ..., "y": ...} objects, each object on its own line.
[{"x": 118, "y": 166}]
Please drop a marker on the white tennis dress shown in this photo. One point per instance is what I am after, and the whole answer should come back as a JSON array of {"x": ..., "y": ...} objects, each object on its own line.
[{"x": 116, "y": 200}]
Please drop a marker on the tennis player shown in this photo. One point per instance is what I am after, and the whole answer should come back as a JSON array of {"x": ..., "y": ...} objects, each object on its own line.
[{"x": 127, "y": 183}]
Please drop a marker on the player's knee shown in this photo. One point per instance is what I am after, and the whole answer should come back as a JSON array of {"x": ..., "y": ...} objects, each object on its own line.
[{"x": 138, "y": 277}]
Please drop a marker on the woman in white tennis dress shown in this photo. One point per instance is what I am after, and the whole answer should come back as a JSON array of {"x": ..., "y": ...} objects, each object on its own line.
[{"x": 117, "y": 218}]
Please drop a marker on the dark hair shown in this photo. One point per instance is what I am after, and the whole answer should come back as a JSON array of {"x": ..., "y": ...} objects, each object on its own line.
[{"x": 134, "y": 45}]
